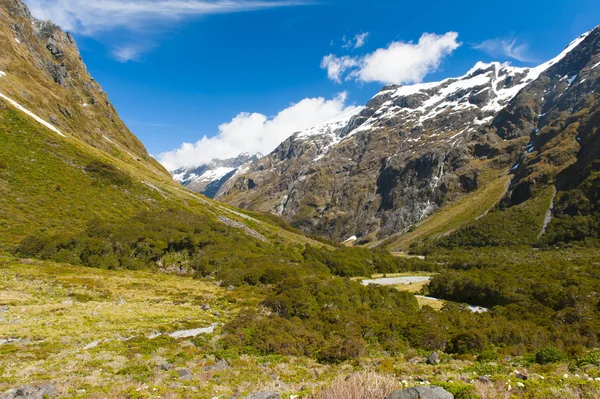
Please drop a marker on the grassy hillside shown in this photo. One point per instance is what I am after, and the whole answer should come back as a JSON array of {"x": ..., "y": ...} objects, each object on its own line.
[{"x": 53, "y": 185}]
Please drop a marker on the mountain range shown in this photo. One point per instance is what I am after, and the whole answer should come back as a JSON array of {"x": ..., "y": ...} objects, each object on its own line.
[{"x": 494, "y": 139}]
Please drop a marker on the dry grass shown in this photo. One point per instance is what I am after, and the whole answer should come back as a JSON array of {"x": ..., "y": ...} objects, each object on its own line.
[{"x": 362, "y": 385}]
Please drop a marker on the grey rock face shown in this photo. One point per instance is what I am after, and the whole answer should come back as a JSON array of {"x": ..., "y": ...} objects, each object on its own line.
[
  {"x": 30, "y": 392},
  {"x": 422, "y": 393}
]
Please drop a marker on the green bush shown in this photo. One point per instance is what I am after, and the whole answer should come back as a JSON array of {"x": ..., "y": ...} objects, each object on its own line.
[
  {"x": 108, "y": 173},
  {"x": 548, "y": 354}
]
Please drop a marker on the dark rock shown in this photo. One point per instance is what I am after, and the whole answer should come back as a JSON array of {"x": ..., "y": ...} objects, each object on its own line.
[
  {"x": 484, "y": 378},
  {"x": 433, "y": 359},
  {"x": 521, "y": 376},
  {"x": 231, "y": 288},
  {"x": 264, "y": 395},
  {"x": 30, "y": 392},
  {"x": 206, "y": 306},
  {"x": 166, "y": 366},
  {"x": 431, "y": 392},
  {"x": 53, "y": 120},
  {"x": 55, "y": 49}
]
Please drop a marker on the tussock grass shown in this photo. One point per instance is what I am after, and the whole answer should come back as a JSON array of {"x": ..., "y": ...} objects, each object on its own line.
[{"x": 362, "y": 385}]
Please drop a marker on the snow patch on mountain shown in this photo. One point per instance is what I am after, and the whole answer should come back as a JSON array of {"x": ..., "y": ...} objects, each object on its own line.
[{"x": 26, "y": 111}]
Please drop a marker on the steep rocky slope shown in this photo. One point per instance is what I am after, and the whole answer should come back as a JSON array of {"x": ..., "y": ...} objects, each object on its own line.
[
  {"x": 208, "y": 179},
  {"x": 43, "y": 72},
  {"x": 491, "y": 134}
]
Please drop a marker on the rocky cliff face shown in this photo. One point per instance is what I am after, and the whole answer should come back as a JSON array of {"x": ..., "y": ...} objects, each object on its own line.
[
  {"x": 42, "y": 70},
  {"x": 208, "y": 179},
  {"x": 415, "y": 149}
]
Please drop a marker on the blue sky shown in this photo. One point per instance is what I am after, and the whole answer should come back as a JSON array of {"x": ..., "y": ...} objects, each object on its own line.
[{"x": 250, "y": 72}]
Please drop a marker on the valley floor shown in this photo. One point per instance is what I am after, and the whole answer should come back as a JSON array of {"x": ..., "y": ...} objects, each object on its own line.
[{"x": 125, "y": 334}]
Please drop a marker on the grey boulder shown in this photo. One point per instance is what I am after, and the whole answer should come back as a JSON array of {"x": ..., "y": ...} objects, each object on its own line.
[
  {"x": 264, "y": 395},
  {"x": 30, "y": 392},
  {"x": 422, "y": 393}
]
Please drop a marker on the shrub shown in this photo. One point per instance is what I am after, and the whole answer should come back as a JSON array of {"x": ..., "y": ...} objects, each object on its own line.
[
  {"x": 107, "y": 173},
  {"x": 548, "y": 354},
  {"x": 3, "y": 164}
]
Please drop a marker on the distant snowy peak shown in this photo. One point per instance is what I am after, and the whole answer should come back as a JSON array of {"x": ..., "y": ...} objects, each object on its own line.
[{"x": 206, "y": 179}]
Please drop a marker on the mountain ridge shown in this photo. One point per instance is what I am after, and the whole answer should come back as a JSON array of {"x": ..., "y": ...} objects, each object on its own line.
[{"x": 425, "y": 146}]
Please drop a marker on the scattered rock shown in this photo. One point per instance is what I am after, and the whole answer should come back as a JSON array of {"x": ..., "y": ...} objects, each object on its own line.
[
  {"x": 521, "y": 376},
  {"x": 92, "y": 345},
  {"x": 484, "y": 378},
  {"x": 415, "y": 360},
  {"x": 206, "y": 306},
  {"x": 433, "y": 359},
  {"x": 3, "y": 309},
  {"x": 231, "y": 288},
  {"x": 247, "y": 230},
  {"x": 166, "y": 366},
  {"x": 219, "y": 366},
  {"x": 27, "y": 261},
  {"x": 264, "y": 395},
  {"x": 422, "y": 393},
  {"x": 184, "y": 374},
  {"x": 121, "y": 302},
  {"x": 30, "y": 392},
  {"x": 67, "y": 302}
]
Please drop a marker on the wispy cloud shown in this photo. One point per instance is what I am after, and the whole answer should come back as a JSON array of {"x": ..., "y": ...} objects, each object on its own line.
[
  {"x": 356, "y": 42},
  {"x": 128, "y": 53},
  {"x": 506, "y": 47},
  {"x": 94, "y": 17},
  {"x": 399, "y": 62}
]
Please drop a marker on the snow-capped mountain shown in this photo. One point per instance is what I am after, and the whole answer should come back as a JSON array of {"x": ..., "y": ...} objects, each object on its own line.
[
  {"x": 208, "y": 179},
  {"x": 412, "y": 149}
]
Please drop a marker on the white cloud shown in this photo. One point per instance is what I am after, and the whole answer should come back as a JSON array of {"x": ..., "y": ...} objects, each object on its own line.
[
  {"x": 255, "y": 132},
  {"x": 399, "y": 62},
  {"x": 360, "y": 39},
  {"x": 356, "y": 42},
  {"x": 337, "y": 66},
  {"x": 505, "y": 47}
]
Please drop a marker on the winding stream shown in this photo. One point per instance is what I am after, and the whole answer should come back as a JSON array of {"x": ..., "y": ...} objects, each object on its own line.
[{"x": 406, "y": 280}]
